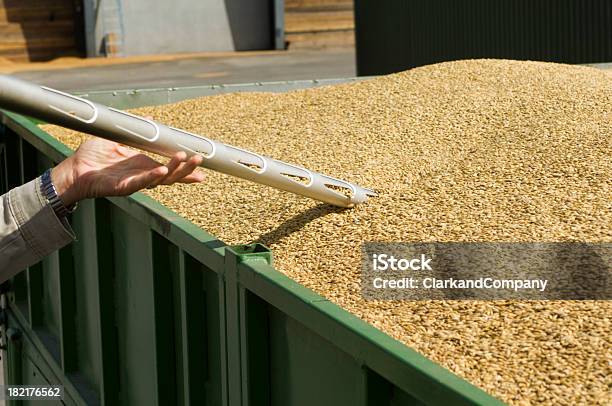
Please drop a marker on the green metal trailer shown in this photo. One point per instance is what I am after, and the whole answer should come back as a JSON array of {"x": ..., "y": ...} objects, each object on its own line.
[{"x": 146, "y": 308}]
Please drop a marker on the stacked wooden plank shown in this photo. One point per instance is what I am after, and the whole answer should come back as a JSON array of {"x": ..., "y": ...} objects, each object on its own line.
[
  {"x": 34, "y": 30},
  {"x": 319, "y": 23}
]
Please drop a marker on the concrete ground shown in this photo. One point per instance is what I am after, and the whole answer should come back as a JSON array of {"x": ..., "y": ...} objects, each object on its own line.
[
  {"x": 196, "y": 70},
  {"x": 191, "y": 69}
]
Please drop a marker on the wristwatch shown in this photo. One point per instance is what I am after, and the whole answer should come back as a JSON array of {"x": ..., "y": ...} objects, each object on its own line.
[{"x": 48, "y": 190}]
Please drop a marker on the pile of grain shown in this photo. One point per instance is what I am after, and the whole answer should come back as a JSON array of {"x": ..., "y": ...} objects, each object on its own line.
[{"x": 481, "y": 150}]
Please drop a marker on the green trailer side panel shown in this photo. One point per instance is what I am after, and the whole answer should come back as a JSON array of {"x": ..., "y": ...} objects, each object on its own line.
[
  {"x": 302, "y": 360},
  {"x": 257, "y": 374},
  {"x": 34, "y": 376},
  {"x": 105, "y": 304},
  {"x": 200, "y": 326},
  {"x": 384, "y": 393},
  {"x": 67, "y": 303},
  {"x": 134, "y": 309},
  {"x": 28, "y": 365},
  {"x": 19, "y": 295},
  {"x": 166, "y": 267},
  {"x": 48, "y": 303},
  {"x": 187, "y": 327},
  {"x": 87, "y": 325}
]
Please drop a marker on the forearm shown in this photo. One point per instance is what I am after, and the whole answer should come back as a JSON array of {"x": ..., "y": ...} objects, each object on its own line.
[{"x": 29, "y": 229}]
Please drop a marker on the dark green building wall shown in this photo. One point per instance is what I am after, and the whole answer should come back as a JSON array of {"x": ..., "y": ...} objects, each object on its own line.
[{"x": 394, "y": 35}]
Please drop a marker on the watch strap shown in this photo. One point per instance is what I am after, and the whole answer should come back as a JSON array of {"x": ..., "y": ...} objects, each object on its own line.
[{"x": 50, "y": 193}]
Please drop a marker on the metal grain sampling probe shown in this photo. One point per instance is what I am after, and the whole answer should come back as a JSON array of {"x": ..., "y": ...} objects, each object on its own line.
[{"x": 79, "y": 114}]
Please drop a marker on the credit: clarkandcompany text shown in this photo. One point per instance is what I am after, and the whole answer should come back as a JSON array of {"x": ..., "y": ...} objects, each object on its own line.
[{"x": 486, "y": 271}]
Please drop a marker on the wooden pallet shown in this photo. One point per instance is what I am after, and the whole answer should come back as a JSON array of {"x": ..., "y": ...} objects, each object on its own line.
[
  {"x": 319, "y": 23},
  {"x": 35, "y": 30}
]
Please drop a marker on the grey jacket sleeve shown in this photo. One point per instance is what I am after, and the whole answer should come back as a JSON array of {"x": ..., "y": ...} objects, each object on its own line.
[{"x": 29, "y": 229}]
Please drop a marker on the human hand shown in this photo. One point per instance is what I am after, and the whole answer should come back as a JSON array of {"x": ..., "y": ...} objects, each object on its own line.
[{"x": 104, "y": 168}]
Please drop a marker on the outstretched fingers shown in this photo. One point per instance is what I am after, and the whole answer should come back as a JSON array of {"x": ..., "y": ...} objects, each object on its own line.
[
  {"x": 185, "y": 172},
  {"x": 172, "y": 166}
]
